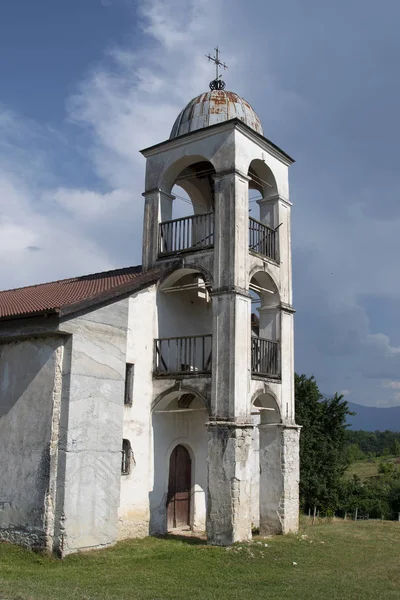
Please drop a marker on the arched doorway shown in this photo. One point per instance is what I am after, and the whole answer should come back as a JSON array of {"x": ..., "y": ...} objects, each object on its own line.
[{"x": 179, "y": 488}]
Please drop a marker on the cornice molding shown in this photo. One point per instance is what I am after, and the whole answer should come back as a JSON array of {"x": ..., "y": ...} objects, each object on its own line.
[{"x": 211, "y": 130}]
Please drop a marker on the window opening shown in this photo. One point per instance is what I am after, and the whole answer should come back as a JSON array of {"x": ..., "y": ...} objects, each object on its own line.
[
  {"x": 126, "y": 457},
  {"x": 129, "y": 377}
]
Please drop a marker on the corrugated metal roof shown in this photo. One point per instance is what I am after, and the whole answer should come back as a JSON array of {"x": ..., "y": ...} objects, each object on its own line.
[
  {"x": 57, "y": 295},
  {"x": 214, "y": 107}
]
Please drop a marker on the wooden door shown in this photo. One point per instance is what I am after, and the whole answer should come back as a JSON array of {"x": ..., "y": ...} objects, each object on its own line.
[{"x": 179, "y": 486}]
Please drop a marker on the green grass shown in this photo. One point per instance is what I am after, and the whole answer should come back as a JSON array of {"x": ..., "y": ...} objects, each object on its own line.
[
  {"x": 338, "y": 560},
  {"x": 365, "y": 469}
]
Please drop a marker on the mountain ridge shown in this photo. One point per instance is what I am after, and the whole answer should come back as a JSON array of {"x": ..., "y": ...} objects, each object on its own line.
[{"x": 374, "y": 418}]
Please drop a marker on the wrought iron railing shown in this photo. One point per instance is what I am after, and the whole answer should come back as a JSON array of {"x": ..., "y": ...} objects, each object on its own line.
[
  {"x": 188, "y": 233},
  {"x": 183, "y": 355},
  {"x": 265, "y": 358},
  {"x": 263, "y": 239}
]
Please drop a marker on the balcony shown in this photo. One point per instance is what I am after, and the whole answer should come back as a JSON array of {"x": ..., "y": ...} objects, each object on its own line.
[
  {"x": 265, "y": 359},
  {"x": 183, "y": 355},
  {"x": 187, "y": 234},
  {"x": 263, "y": 239},
  {"x": 191, "y": 356}
]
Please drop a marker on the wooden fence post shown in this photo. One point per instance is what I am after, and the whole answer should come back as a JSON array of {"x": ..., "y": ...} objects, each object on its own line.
[
  {"x": 356, "y": 514},
  {"x": 315, "y": 512}
]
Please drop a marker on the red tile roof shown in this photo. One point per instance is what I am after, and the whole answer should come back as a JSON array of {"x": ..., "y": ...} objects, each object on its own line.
[{"x": 68, "y": 294}]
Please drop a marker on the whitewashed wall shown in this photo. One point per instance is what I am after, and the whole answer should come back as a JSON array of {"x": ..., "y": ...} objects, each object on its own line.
[
  {"x": 29, "y": 389},
  {"x": 90, "y": 447}
]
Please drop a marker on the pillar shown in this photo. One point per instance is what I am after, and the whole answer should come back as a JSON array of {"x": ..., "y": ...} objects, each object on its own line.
[
  {"x": 157, "y": 208},
  {"x": 229, "y": 483},
  {"x": 279, "y": 478},
  {"x": 230, "y": 428}
]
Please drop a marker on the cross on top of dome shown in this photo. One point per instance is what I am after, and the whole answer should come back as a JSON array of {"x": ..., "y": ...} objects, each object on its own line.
[{"x": 217, "y": 83}]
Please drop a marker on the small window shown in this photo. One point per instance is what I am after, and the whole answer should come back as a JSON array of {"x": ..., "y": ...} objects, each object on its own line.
[
  {"x": 129, "y": 376},
  {"x": 126, "y": 457}
]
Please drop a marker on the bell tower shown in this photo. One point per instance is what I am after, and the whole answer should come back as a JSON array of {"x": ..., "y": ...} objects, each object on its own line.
[{"x": 237, "y": 244}]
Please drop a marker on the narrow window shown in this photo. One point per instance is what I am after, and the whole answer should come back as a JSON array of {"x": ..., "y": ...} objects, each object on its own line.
[
  {"x": 126, "y": 457},
  {"x": 129, "y": 376}
]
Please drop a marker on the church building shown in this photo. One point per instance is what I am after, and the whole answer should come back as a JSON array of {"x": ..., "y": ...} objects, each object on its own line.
[{"x": 160, "y": 397}]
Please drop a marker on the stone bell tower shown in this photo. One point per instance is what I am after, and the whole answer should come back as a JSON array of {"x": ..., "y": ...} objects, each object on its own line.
[{"x": 217, "y": 152}]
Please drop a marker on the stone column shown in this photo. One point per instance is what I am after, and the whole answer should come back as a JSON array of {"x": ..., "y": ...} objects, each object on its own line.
[
  {"x": 287, "y": 363},
  {"x": 157, "y": 208},
  {"x": 229, "y": 487},
  {"x": 231, "y": 300},
  {"x": 270, "y": 322},
  {"x": 229, "y": 445},
  {"x": 279, "y": 478}
]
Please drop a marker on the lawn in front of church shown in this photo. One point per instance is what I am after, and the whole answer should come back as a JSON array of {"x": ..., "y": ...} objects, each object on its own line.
[{"x": 335, "y": 560}]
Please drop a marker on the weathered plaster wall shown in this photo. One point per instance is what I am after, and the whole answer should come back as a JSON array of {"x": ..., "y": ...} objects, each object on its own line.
[
  {"x": 90, "y": 447},
  {"x": 279, "y": 479},
  {"x": 30, "y": 393},
  {"x": 134, "y": 513}
]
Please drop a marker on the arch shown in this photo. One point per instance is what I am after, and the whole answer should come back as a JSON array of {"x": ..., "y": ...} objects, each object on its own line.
[
  {"x": 195, "y": 176},
  {"x": 268, "y": 408},
  {"x": 264, "y": 284},
  {"x": 174, "y": 393},
  {"x": 264, "y": 268},
  {"x": 171, "y": 173},
  {"x": 173, "y": 274},
  {"x": 262, "y": 178},
  {"x": 184, "y": 319}
]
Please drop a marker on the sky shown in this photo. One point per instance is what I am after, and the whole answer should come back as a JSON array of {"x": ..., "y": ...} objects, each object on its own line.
[{"x": 86, "y": 84}]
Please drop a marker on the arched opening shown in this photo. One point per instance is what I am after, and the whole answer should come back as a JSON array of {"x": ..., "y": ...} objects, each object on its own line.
[
  {"x": 184, "y": 323},
  {"x": 265, "y": 325},
  {"x": 263, "y": 213},
  {"x": 178, "y": 496},
  {"x": 187, "y": 222},
  {"x": 266, "y": 461},
  {"x": 179, "y": 488},
  {"x": 195, "y": 184},
  {"x": 126, "y": 459}
]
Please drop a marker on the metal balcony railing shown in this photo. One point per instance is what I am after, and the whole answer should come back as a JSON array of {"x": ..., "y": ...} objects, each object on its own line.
[
  {"x": 190, "y": 355},
  {"x": 265, "y": 357},
  {"x": 263, "y": 239},
  {"x": 186, "y": 234}
]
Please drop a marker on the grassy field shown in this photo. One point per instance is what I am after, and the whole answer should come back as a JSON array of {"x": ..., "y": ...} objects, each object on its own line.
[
  {"x": 365, "y": 469},
  {"x": 337, "y": 560}
]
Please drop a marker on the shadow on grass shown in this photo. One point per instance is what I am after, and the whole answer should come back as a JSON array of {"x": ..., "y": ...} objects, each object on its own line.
[{"x": 185, "y": 539}]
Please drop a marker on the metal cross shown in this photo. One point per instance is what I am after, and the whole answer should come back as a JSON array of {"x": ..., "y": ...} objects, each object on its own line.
[{"x": 217, "y": 83}]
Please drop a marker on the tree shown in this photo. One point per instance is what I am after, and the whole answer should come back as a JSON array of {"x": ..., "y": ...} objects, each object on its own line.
[
  {"x": 395, "y": 448},
  {"x": 322, "y": 444}
]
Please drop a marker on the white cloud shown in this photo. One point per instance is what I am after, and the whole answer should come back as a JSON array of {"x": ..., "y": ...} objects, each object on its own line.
[
  {"x": 393, "y": 385},
  {"x": 126, "y": 102}
]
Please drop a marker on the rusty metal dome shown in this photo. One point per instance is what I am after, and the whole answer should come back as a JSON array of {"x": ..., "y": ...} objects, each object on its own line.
[{"x": 214, "y": 107}]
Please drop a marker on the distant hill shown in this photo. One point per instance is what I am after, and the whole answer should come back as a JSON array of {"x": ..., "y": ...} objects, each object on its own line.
[{"x": 371, "y": 418}]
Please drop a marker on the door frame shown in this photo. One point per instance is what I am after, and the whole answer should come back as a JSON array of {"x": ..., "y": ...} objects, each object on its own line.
[{"x": 181, "y": 442}]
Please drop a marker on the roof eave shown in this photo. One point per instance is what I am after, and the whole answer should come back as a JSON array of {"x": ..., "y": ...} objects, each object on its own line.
[
  {"x": 145, "y": 280},
  {"x": 236, "y": 122},
  {"x": 51, "y": 312}
]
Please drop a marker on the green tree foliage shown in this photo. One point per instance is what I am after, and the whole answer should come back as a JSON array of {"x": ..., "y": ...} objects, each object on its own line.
[
  {"x": 353, "y": 453},
  {"x": 322, "y": 443},
  {"x": 375, "y": 443}
]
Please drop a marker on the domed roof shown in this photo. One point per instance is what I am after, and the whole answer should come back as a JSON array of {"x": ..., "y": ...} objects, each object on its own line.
[{"x": 214, "y": 107}]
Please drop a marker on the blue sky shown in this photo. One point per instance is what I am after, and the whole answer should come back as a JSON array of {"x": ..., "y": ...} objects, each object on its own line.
[{"x": 85, "y": 84}]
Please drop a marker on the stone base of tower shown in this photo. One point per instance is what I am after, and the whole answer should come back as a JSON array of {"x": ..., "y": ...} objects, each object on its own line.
[
  {"x": 279, "y": 479},
  {"x": 229, "y": 484}
]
